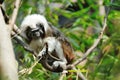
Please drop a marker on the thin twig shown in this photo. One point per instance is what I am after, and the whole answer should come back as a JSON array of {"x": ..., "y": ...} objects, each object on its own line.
[
  {"x": 14, "y": 14},
  {"x": 89, "y": 50},
  {"x": 96, "y": 42},
  {"x": 79, "y": 74},
  {"x": 16, "y": 30},
  {"x": 93, "y": 46},
  {"x": 28, "y": 70},
  {"x": 62, "y": 76}
]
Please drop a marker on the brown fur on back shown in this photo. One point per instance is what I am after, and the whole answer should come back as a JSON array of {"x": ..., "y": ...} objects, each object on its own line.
[
  {"x": 66, "y": 46},
  {"x": 67, "y": 50}
]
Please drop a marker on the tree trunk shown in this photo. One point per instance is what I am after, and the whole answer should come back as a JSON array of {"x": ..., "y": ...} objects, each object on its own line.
[{"x": 8, "y": 64}]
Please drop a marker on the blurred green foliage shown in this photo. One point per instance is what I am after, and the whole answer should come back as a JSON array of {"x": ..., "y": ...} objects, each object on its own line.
[{"x": 103, "y": 63}]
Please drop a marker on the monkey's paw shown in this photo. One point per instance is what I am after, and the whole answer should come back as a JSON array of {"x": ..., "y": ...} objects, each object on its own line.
[
  {"x": 60, "y": 64},
  {"x": 42, "y": 53}
]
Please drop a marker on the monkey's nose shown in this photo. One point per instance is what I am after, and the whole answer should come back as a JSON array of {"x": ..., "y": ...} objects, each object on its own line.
[{"x": 37, "y": 34}]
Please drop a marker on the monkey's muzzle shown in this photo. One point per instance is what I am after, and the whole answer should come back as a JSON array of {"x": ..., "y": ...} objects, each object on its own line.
[{"x": 35, "y": 33}]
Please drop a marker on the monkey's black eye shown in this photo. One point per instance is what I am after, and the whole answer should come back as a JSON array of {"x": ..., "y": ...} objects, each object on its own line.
[
  {"x": 39, "y": 25},
  {"x": 42, "y": 30},
  {"x": 28, "y": 32},
  {"x": 28, "y": 28}
]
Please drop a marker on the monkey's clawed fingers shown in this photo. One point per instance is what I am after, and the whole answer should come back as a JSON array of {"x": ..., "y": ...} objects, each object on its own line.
[{"x": 42, "y": 54}]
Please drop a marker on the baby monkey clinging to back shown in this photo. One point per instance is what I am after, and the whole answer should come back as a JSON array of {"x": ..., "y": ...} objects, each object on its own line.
[{"x": 43, "y": 37}]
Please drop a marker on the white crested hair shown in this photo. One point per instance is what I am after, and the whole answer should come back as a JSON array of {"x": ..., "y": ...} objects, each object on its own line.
[{"x": 31, "y": 21}]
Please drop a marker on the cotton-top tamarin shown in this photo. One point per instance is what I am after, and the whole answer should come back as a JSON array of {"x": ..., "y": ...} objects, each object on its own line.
[{"x": 44, "y": 38}]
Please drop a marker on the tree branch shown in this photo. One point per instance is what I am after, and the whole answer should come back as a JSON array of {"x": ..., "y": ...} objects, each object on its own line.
[
  {"x": 14, "y": 14},
  {"x": 96, "y": 42},
  {"x": 91, "y": 48},
  {"x": 62, "y": 76},
  {"x": 80, "y": 75}
]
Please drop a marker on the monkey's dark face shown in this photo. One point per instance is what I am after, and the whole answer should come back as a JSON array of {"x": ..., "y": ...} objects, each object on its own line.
[
  {"x": 35, "y": 33},
  {"x": 34, "y": 27}
]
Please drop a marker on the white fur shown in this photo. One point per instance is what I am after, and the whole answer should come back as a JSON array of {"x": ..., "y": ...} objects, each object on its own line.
[
  {"x": 54, "y": 44},
  {"x": 32, "y": 20},
  {"x": 37, "y": 45}
]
